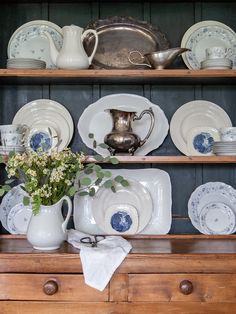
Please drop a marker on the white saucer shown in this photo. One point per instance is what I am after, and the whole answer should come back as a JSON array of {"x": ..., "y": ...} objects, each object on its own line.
[
  {"x": 120, "y": 219},
  {"x": 18, "y": 219},
  {"x": 217, "y": 218}
]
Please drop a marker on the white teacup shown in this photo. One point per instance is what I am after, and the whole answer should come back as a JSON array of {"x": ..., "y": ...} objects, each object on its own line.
[
  {"x": 12, "y": 139},
  {"x": 13, "y": 128},
  {"x": 228, "y": 134},
  {"x": 218, "y": 52}
]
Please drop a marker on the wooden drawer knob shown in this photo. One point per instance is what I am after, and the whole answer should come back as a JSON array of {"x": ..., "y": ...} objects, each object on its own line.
[
  {"x": 50, "y": 287},
  {"x": 186, "y": 287}
]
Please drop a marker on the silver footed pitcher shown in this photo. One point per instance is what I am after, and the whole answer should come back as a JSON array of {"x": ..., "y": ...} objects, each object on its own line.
[{"x": 122, "y": 139}]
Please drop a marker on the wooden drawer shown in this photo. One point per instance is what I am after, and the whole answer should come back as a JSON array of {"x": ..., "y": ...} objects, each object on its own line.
[
  {"x": 182, "y": 287},
  {"x": 48, "y": 287}
]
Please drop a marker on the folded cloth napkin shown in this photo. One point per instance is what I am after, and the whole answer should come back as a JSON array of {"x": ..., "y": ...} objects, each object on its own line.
[{"x": 100, "y": 262}]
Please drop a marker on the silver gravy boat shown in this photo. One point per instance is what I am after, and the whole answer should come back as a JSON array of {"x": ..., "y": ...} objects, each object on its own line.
[{"x": 122, "y": 139}]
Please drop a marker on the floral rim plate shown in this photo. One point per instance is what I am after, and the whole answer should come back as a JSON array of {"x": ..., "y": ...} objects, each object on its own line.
[
  {"x": 197, "y": 113},
  {"x": 47, "y": 113},
  {"x": 200, "y": 141},
  {"x": 12, "y": 198},
  {"x": 29, "y": 41},
  {"x": 18, "y": 219},
  {"x": 95, "y": 120},
  {"x": 204, "y": 35},
  {"x": 156, "y": 181},
  {"x": 217, "y": 218},
  {"x": 210, "y": 192}
]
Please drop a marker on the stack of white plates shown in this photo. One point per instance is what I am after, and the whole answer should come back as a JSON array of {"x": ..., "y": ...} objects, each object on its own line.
[
  {"x": 25, "y": 63},
  {"x": 212, "y": 208},
  {"x": 225, "y": 148},
  {"x": 217, "y": 63}
]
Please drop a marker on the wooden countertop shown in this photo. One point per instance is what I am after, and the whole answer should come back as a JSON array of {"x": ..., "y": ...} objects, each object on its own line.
[{"x": 169, "y": 253}]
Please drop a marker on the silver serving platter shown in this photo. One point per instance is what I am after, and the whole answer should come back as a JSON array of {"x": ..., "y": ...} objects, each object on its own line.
[{"x": 117, "y": 36}]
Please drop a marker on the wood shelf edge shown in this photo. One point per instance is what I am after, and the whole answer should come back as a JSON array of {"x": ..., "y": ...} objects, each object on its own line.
[{"x": 172, "y": 159}]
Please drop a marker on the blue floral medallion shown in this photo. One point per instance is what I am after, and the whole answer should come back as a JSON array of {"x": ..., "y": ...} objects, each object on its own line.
[
  {"x": 121, "y": 221},
  {"x": 203, "y": 142},
  {"x": 41, "y": 141}
]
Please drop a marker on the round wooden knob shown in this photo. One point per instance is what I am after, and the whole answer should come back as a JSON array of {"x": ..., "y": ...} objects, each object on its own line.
[
  {"x": 50, "y": 287},
  {"x": 186, "y": 287}
]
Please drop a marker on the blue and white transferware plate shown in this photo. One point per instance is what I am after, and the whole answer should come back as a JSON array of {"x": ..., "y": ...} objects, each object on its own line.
[
  {"x": 41, "y": 138},
  {"x": 29, "y": 41},
  {"x": 203, "y": 35},
  {"x": 121, "y": 219},
  {"x": 205, "y": 194},
  {"x": 200, "y": 141},
  {"x": 217, "y": 218}
]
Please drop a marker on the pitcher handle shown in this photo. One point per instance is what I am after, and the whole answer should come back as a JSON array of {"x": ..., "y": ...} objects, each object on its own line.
[
  {"x": 151, "y": 114},
  {"x": 85, "y": 33},
  {"x": 142, "y": 57},
  {"x": 69, "y": 211}
]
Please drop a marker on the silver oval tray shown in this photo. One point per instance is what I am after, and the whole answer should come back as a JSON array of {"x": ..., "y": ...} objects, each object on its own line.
[{"x": 117, "y": 36}]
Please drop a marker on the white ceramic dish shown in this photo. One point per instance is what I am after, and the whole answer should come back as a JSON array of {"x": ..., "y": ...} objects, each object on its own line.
[
  {"x": 41, "y": 138},
  {"x": 135, "y": 195},
  {"x": 12, "y": 198},
  {"x": 47, "y": 113},
  {"x": 203, "y": 35},
  {"x": 95, "y": 120},
  {"x": 121, "y": 219},
  {"x": 29, "y": 41},
  {"x": 197, "y": 113},
  {"x": 200, "y": 141},
  {"x": 156, "y": 181},
  {"x": 18, "y": 219},
  {"x": 217, "y": 218},
  {"x": 205, "y": 194}
]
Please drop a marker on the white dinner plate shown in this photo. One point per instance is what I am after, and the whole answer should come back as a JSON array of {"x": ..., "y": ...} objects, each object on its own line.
[
  {"x": 210, "y": 192},
  {"x": 156, "y": 181},
  {"x": 135, "y": 195},
  {"x": 29, "y": 41},
  {"x": 18, "y": 218},
  {"x": 203, "y": 35},
  {"x": 95, "y": 120},
  {"x": 10, "y": 199},
  {"x": 197, "y": 113},
  {"x": 49, "y": 114}
]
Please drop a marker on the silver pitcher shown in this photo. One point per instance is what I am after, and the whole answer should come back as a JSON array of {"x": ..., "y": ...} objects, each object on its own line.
[{"x": 122, "y": 139}]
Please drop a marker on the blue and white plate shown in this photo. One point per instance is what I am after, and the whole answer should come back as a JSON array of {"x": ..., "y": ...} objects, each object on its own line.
[
  {"x": 206, "y": 194},
  {"x": 200, "y": 141},
  {"x": 30, "y": 41},
  {"x": 18, "y": 219},
  {"x": 41, "y": 138}
]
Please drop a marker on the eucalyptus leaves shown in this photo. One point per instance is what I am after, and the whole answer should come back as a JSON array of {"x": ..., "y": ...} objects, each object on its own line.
[{"x": 48, "y": 177}]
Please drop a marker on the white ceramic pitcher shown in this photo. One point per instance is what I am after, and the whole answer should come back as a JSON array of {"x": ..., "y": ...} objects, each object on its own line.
[
  {"x": 72, "y": 54},
  {"x": 47, "y": 229}
]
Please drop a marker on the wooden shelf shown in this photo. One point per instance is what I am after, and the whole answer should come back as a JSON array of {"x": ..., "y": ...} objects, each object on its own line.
[
  {"x": 173, "y": 159},
  {"x": 89, "y": 76}
]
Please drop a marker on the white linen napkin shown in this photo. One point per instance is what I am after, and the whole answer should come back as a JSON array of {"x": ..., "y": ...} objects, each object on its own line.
[{"x": 99, "y": 263}]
